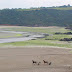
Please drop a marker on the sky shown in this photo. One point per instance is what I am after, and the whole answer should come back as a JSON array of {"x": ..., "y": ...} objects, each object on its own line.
[{"x": 32, "y": 3}]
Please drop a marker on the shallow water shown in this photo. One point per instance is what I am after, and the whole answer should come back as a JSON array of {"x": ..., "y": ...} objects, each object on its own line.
[{"x": 31, "y": 36}]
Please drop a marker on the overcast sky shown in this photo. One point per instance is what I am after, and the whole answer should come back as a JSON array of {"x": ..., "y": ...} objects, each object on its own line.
[{"x": 32, "y": 3}]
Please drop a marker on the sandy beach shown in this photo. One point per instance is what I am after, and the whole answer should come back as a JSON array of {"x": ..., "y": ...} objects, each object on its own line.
[{"x": 20, "y": 59}]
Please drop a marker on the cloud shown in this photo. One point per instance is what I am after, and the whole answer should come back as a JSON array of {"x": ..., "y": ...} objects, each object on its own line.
[{"x": 32, "y": 3}]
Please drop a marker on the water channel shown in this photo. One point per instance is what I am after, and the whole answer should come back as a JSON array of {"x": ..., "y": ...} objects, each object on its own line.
[{"x": 26, "y": 36}]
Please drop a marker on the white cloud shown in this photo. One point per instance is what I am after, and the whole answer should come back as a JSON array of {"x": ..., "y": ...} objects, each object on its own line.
[{"x": 32, "y": 3}]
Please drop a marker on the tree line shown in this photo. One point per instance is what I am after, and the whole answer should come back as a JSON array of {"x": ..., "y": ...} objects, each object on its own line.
[{"x": 36, "y": 17}]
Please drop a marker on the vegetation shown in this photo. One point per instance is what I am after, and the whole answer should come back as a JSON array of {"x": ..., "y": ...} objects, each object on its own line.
[
  {"x": 9, "y": 35},
  {"x": 52, "y": 40},
  {"x": 44, "y": 16}
]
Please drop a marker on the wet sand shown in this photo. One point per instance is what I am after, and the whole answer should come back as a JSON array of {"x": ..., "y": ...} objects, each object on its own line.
[{"x": 20, "y": 59}]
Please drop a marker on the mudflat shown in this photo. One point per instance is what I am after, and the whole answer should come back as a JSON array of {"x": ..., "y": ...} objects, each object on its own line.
[{"x": 19, "y": 59}]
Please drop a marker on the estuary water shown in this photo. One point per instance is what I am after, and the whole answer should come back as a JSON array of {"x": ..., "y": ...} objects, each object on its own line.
[{"x": 29, "y": 36}]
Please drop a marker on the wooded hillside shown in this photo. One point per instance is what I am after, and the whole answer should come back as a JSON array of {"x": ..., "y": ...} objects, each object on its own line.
[{"x": 36, "y": 16}]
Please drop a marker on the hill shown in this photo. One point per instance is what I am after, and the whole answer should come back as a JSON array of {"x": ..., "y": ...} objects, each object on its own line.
[{"x": 44, "y": 16}]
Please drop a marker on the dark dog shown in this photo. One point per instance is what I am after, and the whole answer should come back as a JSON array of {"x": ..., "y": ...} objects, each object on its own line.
[
  {"x": 50, "y": 63},
  {"x": 45, "y": 62},
  {"x": 34, "y": 62}
]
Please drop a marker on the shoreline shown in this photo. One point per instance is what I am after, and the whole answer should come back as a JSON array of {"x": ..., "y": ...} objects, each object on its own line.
[{"x": 12, "y": 47}]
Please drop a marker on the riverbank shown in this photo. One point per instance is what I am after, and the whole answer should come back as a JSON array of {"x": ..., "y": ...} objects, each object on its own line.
[{"x": 37, "y": 32}]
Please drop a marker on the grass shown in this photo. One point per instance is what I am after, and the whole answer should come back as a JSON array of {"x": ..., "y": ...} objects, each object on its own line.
[
  {"x": 39, "y": 29},
  {"x": 63, "y": 8},
  {"x": 58, "y": 8},
  {"x": 17, "y": 35},
  {"x": 9, "y": 35},
  {"x": 58, "y": 37},
  {"x": 54, "y": 39},
  {"x": 39, "y": 42}
]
